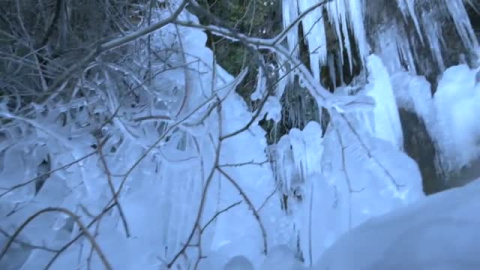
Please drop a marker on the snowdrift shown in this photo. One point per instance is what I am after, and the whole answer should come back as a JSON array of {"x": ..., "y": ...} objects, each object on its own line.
[{"x": 438, "y": 232}]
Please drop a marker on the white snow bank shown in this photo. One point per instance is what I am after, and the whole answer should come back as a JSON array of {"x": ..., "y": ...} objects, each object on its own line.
[{"x": 438, "y": 232}]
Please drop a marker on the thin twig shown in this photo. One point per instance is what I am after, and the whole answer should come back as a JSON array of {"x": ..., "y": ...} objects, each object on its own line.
[
  {"x": 112, "y": 189},
  {"x": 80, "y": 234},
  {"x": 251, "y": 206},
  {"x": 28, "y": 244},
  {"x": 218, "y": 214},
  {"x": 204, "y": 192},
  {"x": 67, "y": 212}
]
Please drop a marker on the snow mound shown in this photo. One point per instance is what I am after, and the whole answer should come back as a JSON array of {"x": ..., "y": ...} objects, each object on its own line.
[
  {"x": 438, "y": 232},
  {"x": 239, "y": 263}
]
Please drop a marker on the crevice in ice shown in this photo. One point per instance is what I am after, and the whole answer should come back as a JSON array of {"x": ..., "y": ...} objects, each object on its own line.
[{"x": 419, "y": 145}]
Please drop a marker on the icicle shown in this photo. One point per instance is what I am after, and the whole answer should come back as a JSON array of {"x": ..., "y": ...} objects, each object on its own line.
[
  {"x": 408, "y": 10},
  {"x": 462, "y": 23},
  {"x": 314, "y": 34},
  {"x": 348, "y": 14},
  {"x": 290, "y": 12},
  {"x": 261, "y": 85},
  {"x": 355, "y": 10},
  {"x": 331, "y": 70},
  {"x": 433, "y": 33},
  {"x": 339, "y": 67},
  {"x": 336, "y": 13},
  {"x": 394, "y": 51}
]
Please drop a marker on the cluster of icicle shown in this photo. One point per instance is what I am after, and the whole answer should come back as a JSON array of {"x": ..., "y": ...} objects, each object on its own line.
[{"x": 391, "y": 42}]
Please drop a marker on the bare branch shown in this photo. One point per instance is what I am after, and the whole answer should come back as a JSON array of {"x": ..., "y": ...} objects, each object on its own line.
[
  {"x": 80, "y": 234},
  {"x": 142, "y": 32},
  {"x": 218, "y": 214},
  {"x": 28, "y": 244},
  {"x": 204, "y": 192},
  {"x": 67, "y": 212},
  {"x": 112, "y": 189},
  {"x": 251, "y": 206}
]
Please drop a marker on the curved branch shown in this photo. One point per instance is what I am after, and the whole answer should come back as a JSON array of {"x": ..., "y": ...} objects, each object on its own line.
[
  {"x": 80, "y": 234},
  {"x": 250, "y": 204}
]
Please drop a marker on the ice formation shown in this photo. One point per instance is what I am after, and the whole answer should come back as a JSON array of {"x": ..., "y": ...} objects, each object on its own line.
[
  {"x": 199, "y": 192},
  {"x": 385, "y": 123},
  {"x": 392, "y": 82},
  {"x": 162, "y": 194},
  {"x": 450, "y": 115},
  {"x": 457, "y": 106}
]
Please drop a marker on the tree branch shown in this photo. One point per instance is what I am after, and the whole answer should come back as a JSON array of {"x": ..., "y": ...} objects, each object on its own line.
[{"x": 67, "y": 212}]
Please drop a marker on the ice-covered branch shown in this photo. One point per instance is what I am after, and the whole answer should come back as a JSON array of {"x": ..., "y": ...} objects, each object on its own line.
[
  {"x": 324, "y": 98},
  {"x": 143, "y": 31}
]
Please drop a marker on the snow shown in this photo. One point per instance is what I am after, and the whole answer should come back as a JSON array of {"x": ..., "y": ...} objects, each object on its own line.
[
  {"x": 239, "y": 263},
  {"x": 438, "y": 232}
]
